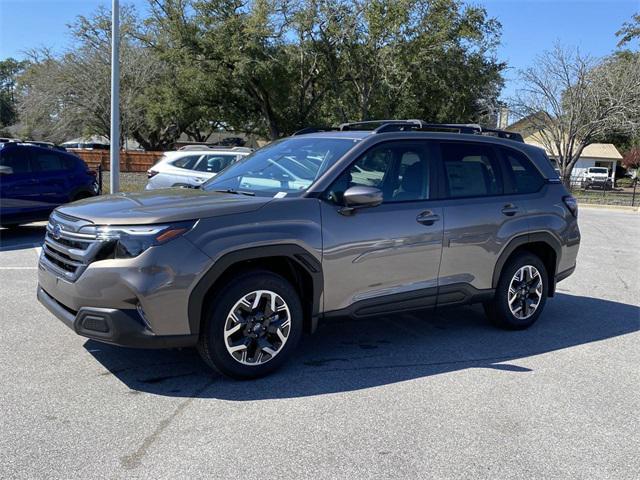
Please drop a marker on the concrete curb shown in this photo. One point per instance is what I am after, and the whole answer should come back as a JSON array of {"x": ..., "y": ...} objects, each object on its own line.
[{"x": 608, "y": 207}]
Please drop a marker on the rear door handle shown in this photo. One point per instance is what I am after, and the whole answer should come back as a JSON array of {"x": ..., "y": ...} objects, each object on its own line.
[
  {"x": 427, "y": 218},
  {"x": 509, "y": 210}
]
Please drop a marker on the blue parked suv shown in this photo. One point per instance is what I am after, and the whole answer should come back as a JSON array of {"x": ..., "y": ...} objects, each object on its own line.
[{"x": 34, "y": 180}]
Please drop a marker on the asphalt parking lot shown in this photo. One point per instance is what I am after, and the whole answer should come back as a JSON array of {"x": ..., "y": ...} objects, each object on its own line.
[{"x": 415, "y": 396}]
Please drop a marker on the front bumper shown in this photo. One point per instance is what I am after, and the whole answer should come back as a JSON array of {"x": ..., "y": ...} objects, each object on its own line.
[{"x": 123, "y": 327}]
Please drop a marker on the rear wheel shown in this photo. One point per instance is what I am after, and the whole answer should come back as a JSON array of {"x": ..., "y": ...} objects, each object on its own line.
[
  {"x": 521, "y": 293},
  {"x": 252, "y": 326}
]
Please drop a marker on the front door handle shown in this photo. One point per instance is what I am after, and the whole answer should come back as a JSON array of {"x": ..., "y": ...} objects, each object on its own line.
[
  {"x": 509, "y": 210},
  {"x": 427, "y": 218}
]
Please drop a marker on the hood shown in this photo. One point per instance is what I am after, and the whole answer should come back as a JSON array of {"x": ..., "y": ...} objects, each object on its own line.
[{"x": 160, "y": 206}]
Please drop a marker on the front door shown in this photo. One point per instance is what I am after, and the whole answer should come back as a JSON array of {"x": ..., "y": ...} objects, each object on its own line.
[{"x": 384, "y": 257}]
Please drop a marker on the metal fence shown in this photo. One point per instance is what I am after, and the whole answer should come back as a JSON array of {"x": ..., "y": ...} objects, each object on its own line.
[{"x": 624, "y": 192}]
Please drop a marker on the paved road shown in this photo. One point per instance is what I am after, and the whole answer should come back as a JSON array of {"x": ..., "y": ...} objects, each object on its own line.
[{"x": 445, "y": 396}]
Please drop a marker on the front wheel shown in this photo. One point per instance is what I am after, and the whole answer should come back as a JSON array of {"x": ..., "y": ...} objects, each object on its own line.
[
  {"x": 521, "y": 293},
  {"x": 252, "y": 326}
]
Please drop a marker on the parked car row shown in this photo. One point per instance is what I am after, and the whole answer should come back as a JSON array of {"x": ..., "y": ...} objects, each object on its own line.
[{"x": 36, "y": 177}]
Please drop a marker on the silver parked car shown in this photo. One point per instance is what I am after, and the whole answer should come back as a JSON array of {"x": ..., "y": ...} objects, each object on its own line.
[
  {"x": 192, "y": 167},
  {"x": 367, "y": 220}
]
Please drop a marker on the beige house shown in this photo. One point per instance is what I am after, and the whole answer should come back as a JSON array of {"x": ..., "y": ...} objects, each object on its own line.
[{"x": 594, "y": 155}]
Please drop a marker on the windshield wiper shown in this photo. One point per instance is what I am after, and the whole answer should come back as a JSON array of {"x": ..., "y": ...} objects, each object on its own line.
[{"x": 235, "y": 192}]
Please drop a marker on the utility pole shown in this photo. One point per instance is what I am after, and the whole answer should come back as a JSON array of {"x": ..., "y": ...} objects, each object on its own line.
[{"x": 114, "y": 157}]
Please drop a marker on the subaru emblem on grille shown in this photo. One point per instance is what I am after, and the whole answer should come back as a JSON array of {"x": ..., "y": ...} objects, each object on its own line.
[{"x": 56, "y": 231}]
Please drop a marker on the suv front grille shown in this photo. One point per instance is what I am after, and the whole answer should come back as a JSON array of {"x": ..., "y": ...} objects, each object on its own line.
[{"x": 66, "y": 251}]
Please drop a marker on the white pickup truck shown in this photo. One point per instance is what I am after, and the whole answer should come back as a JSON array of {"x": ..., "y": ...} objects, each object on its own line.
[{"x": 597, "y": 177}]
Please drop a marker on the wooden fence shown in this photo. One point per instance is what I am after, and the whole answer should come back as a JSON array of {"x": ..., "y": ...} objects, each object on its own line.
[{"x": 129, "y": 161}]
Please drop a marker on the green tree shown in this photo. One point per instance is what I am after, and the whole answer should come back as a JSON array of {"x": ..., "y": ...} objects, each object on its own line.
[
  {"x": 630, "y": 31},
  {"x": 10, "y": 69},
  {"x": 277, "y": 66}
]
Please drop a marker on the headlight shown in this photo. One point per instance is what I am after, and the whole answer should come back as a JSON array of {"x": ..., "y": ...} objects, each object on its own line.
[{"x": 131, "y": 241}]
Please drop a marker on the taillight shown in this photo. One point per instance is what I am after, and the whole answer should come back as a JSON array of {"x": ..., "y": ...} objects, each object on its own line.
[
  {"x": 93, "y": 173},
  {"x": 151, "y": 173},
  {"x": 572, "y": 204}
]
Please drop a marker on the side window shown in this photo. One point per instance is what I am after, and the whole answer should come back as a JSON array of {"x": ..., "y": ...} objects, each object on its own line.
[
  {"x": 402, "y": 170},
  {"x": 214, "y": 163},
  {"x": 48, "y": 161},
  {"x": 70, "y": 162},
  {"x": 470, "y": 170},
  {"x": 16, "y": 160},
  {"x": 526, "y": 179},
  {"x": 186, "y": 162}
]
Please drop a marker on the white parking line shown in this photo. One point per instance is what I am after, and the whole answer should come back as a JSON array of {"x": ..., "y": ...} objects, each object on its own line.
[{"x": 18, "y": 268}]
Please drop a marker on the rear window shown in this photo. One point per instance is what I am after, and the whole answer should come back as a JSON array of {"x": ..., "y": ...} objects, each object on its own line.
[
  {"x": 602, "y": 170},
  {"x": 471, "y": 170},
  {"x": 524, "y": 175}
]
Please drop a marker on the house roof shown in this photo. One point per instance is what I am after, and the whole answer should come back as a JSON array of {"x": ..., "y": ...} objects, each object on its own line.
[
  {"x": 526, "y": 127},
  {"x": 606, "y": 151}
]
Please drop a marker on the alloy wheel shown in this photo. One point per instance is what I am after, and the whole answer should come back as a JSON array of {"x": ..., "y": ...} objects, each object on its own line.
[
  {"x": 525, "y": 292},
  {"x": 257, "y": 327}
]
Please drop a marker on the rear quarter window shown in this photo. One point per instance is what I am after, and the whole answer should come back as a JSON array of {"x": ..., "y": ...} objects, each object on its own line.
[{"x": 525, "y": 176}]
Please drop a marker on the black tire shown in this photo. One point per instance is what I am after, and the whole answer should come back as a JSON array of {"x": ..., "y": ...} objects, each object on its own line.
[
  {"x": 212, "y": 346},
  {"x": 498, "y": 310}
]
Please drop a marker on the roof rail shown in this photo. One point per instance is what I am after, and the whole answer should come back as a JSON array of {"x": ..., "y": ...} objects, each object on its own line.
[
  {"x": 313, "y": 130},
  {"x": 381, "y": 123},
  {"x": 468, "y": 128},
  {"x": 384, "y": 126}
]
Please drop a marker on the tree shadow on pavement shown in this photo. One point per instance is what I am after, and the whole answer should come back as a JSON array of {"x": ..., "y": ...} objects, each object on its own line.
[
  {"x": 355, "y": 354},
  {"x": 21, "y": 237}
]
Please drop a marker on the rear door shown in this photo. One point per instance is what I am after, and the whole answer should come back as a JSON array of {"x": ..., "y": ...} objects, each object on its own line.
[
  {"x": 180, "y": 172},
  {"x": 54, "y": 175},
  {"x": 479, "y": 218},
  {"x": 384, "y": 257},
  {"x": 20, "y": 194}
]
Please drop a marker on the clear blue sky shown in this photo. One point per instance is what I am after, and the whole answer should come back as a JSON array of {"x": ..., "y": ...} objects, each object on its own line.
[{"x": 528, "y": 26}]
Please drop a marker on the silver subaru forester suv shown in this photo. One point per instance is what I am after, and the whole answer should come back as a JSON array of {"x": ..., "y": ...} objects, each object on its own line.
[{"x": 363, "y": 220}]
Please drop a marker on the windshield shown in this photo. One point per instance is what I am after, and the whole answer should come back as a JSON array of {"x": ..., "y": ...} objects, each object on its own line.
[
  {"x": 285, "y": 167},
  {"x": 599, "y": 170}
]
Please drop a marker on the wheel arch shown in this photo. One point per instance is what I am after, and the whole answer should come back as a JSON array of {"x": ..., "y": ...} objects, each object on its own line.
[
  {"x": 542, "y": 244},
  {"x": 291, "y": 261}
]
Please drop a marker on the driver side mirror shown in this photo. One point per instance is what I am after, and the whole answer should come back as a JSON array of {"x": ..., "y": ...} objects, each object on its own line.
[
  {"x": 5, "y": 170},
  {"x": 360, "y": 197}
]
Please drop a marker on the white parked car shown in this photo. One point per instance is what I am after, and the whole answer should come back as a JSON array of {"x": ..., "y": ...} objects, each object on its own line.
[
  {"x": 597, "y": 177},
  {"x": 192, "y": 167}
]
